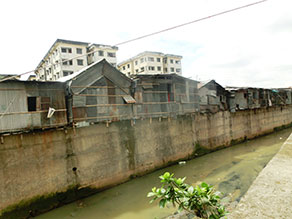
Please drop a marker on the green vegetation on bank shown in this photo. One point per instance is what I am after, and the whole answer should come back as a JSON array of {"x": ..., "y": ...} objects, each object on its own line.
[{"x": 200, "y": 200}]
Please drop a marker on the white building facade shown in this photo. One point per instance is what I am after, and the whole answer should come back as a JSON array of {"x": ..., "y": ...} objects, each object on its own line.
[
  {"x": 66, "y": 57},
  {"x": 152, "y": 63}
]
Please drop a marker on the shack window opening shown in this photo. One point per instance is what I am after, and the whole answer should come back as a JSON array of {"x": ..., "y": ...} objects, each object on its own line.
[
  {"x": 31, "y": 103},
  {"x": 169, "y": 93},
  {"x": 128, "y": 99}
]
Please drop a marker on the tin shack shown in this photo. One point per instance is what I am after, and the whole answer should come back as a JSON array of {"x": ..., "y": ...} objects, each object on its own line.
[
  {"x": 164, "y": 95},
  {"x": 98, "y": 92},
  {"x": 28, "y": 105},
  {"x": 213, "y": 97}
]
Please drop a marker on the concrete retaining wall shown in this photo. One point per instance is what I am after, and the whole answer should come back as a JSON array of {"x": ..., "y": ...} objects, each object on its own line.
[{"x": 36, "y": 167}]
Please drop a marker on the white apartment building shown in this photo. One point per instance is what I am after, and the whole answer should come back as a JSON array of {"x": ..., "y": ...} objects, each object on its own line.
[
  {"x": 66, "y": 57},
  {"x": 151, "y": 63}
]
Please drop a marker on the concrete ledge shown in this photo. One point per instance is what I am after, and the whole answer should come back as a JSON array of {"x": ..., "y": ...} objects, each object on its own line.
[{"x": 270, "y": 195}]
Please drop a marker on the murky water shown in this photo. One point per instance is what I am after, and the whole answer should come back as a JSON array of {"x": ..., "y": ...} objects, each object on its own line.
[{"x": 231, "y": 170}]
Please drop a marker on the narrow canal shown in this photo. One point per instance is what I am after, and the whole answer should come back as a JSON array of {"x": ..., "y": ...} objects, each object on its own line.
[{"x": 231, "y": 170}]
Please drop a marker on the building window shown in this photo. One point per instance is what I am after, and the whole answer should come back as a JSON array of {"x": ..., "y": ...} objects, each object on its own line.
[
  {"x": 150, "y": 59},
  {"x": 136, "y": 62},
  {"x": 128, "y": 65},
  {"x": 69, "y": 62},
  {"x": 165, "y": 60},
  {"x": 66, "y": 73},
  {"x": 101, "y": 53},
  {"x": 66, "y": 50},
  {"x": 142, "y": 69},
  {"x": 137, "y": 70},
  {"x": 171, "y": 69},
  {"x": 111, "y": 54},
  {"x": 31, "y": 104},
  {"x": 124, "y": 67},
  {"x": 158, "y": 68},
  {"x": 177, "y": 62},
  {"x": 158, "y": 59},
  {"x": 171, "y": 61},
  {"x": 142, "y": 60},
  {"x": 165, "y": 70},
  {"x": 78, "y": 50},
  {"x": 177, "y": 70},
  {"x": 151, "y": 68},
  {"x": 79, "y": 61}
]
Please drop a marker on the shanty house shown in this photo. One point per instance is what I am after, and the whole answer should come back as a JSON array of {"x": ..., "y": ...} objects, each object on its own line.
[
  {"x": 25, "y": 105},
  {"x": 289, "y": 96},
  {"x": 213, "y": 97},
  {"x": 281, "y": 96},
  {"x": 98, "y": 92},
  {"x": 241, "y": 98},
  {"x": 264, "y": 97},
  {"x": 164, "y": 95}
]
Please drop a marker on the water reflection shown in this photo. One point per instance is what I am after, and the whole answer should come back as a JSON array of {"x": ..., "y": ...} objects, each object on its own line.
[{"x": 231, "y": 170}]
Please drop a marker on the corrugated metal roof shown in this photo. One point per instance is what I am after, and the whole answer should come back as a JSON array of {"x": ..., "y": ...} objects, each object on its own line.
[
  {"x": 75, "y": 74},
  {"x": 78, "y": 81}
]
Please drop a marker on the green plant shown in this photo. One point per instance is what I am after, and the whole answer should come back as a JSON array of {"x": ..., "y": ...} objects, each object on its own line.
[{"x": 200, "y": 200}]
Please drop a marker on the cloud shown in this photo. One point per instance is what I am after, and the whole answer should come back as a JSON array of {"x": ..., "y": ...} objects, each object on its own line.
[{"x": 251, "y": 46}]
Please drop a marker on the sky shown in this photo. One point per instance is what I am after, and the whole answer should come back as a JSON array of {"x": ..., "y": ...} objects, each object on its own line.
[{"x": 249, "y": 47}]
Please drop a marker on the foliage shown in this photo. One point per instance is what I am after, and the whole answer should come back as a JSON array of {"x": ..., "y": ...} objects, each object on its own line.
[{"x": 201, "y": 200}]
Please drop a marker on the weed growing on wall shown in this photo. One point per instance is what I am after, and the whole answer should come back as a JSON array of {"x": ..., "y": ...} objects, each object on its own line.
[{"x": 200, "y": 200}]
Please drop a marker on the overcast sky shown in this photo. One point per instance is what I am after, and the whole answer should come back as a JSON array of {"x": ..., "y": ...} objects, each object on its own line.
[{"x": 249, "y": 47}]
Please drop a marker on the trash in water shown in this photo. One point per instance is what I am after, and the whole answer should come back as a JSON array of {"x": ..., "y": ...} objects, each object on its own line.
[{"x": 182, "y": 162}]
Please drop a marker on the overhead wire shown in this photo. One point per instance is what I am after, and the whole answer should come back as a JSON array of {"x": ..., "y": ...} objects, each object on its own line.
[
  {"x": 147, "y": 35},
  {"x": 190, "y": 22}
]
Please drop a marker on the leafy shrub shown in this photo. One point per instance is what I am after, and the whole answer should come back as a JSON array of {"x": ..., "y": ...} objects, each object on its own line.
[{"x": 200, "y": 200}]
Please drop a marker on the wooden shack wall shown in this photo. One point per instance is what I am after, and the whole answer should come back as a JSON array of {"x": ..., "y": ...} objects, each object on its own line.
[
  {"x": 14, "y": 113},
  {"x": 101, "y": 101},
  {"x": 165, "y": 96}
]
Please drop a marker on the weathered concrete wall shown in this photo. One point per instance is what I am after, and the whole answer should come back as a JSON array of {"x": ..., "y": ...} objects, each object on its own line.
[
  {"x": 45, "y": 164},
  {"x": 270, "y": 195}
]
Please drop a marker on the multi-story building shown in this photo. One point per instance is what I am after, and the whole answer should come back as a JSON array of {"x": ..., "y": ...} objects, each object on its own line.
[
  {"x": 151, "y": 63},
  {"x": 66, "y": 57}
]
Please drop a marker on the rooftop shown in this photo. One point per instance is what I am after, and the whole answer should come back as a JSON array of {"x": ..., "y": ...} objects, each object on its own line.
[
  {"x": 74, "y": 43},
  {"x": 149, "y": 53}
]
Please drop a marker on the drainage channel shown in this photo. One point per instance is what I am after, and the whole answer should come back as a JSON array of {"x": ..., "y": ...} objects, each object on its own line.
[{"x": 231, "y": 170}]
